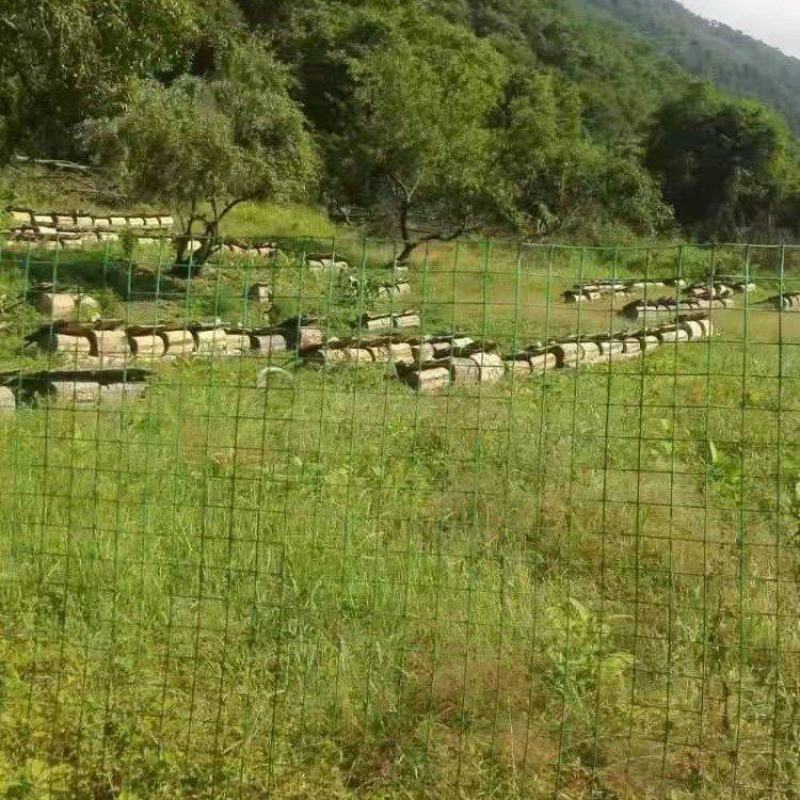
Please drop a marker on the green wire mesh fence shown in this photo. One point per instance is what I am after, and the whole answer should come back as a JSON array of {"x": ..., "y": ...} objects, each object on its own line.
[{"x": 506, "y": 521}]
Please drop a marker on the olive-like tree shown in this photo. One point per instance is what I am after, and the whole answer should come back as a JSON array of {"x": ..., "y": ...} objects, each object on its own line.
[
  {"x": 423, "y": 102},
  {"x": 203, "y": 146}
]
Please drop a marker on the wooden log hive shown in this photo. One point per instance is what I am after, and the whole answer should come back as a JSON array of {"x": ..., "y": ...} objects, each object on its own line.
[
  {"x": 381, "y": 354},
  {"x": 8, "y": 401},
  {"x": 267, "y": 343},
  {"x": 490, "y": 365},
  {"x": 429, "y": 381},
  {"x": 358, "y": 355},
  {"x": 109, "y": 343},
  {"x": 239, "y": 342},
  {"x": 122, "y": 392},
  {"x": 178, "y": 343},
  {"x": 148, "y": 346},
  {"x": 66, "y": 344},
  {"x": 327, "y": 356},
  {"x": 73, "y": 392},
  {"x": 423, "y": 352},
  {"x": 56, "y": 304},
  {"x": 408, "y": 319},
  {"x": 401, "y": 353},
  {"x": 543, "y": 362},
  {"x": 261, "y": 293},
  {"x": 210, "y": 342},
  {"x": 464, "y": 370},
  {"x": 673, "y": 334}
]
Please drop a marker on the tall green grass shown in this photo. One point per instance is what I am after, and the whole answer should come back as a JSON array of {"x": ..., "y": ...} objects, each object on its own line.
[{"x": 584, "y": 584}]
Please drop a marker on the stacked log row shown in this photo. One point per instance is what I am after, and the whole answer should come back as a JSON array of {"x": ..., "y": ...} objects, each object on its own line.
[
  {"x": 390, "y": 349},
  {"x": 434, "y": 374},
  {"x": 385, "y": 322},
  {"x": 61, "y": 230},
  {"x": 714, "y": 291},
  {"x": 107, "y": 343},
  {"x": 71, "y": 388},
  {"x": 592, "y": 292},
  {"x": 326, "y": 261},
  {"x": 786, "y": 302},
  {"x": 56, "y": 230},
  {"x": 399, "y": 289},
  {"x": 671, "y": 307}
]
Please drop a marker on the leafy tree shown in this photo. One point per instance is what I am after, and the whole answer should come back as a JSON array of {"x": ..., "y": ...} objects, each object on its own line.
[
  {"x": 722, "y": 162},
  {"x": 206, "y": 145},
  {"x": 421, "y": 130},
  {"x": 559, "y": 176},
  {"x": 64, "y": 60}
]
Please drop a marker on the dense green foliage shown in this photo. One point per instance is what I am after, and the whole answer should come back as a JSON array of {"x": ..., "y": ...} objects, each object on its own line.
[
  {"x": 434, "y": 117},
  {"x": 734, "y": 61}
]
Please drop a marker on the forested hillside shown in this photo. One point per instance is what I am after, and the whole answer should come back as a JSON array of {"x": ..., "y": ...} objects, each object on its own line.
[
  {"x": 713, "y": 51},
  {"x": 432, "y": 118}
]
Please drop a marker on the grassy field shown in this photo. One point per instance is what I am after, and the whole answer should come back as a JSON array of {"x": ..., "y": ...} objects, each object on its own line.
[{"x": 583, "y": 585}]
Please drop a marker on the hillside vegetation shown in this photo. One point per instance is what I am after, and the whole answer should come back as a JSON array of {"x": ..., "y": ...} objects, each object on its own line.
[
  {"x": 712, "y": 51},
  {"x": 426, "y": 120}
]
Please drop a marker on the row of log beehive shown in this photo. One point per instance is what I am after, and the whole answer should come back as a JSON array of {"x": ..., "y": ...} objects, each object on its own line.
[
  {"x": 112, "y": 347},
  {"x": 76, "y": 389},
  {"x": 470, "y": 366},
  {"x": 786, "y": 302},
  {"x": 670, "y": 306},
  {"x": 594, "y": 291}
]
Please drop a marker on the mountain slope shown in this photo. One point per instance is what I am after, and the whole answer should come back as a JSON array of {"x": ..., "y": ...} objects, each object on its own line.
[{"x": 732, "y": 60}]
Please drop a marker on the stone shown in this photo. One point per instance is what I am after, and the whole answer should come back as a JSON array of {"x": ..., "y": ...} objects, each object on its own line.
[
  {"x": 8, "y": 401},
  {"x": 101, "y": 222},
  {"x": 84, "y": 222},
  {"x": 46, "y": 230},
  {"x": 148, "y": 346},
  {"x": 20, "y": 217},
  {"x": 119, "y": 222},
  {"x": 210, "y": 342},
  {"x": 108, "y": 236},
  {"x": 179, "y": 343},
  {"x": 136, "y": 222},
  {"x": 152, "y": 222},
  {"x": 43, "y": 219},
  {"x": 429, "y": 381},
  {"x": 166, "y": 221},
  {"x": 56, "y": 304}
]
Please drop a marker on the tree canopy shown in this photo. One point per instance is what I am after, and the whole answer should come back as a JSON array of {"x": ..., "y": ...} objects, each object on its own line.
[{"x": 434, "y": 116}]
